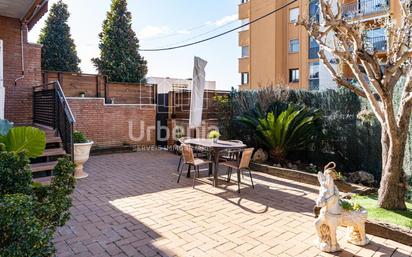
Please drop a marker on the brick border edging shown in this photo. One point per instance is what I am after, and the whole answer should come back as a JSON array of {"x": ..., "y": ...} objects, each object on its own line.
[
  {"x": 308, "y": 178},
  {"x": 388, "y": 231},
  {"x": 380, "y": 229}
]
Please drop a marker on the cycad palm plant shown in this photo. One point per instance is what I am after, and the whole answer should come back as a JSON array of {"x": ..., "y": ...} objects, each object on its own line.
[{"x": 284, "y": 131}]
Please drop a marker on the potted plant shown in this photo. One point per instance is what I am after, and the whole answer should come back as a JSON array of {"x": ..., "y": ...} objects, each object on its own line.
[
  {"x": 82, "y": 94},
  {"x": 214, "y": 135},
  {"x": 82, "y": 148}
]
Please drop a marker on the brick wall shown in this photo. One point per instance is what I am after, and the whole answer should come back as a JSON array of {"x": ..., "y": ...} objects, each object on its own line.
[
  {"x": 108, "y": 125},
  {"x": 18, "y": 102}
]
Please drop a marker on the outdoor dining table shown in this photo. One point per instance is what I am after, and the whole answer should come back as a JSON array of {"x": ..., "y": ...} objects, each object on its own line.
[{"x": 215, "y": 149}]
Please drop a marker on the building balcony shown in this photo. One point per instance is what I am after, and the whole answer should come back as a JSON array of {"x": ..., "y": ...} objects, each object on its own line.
[
  {"x": 362, "y": 8},
  {"x": 244, "y": 7},
  {"x": 244, "y": 38},
  {"x": 244, "y": 65},
  {"x": 313, "y": 84},
  {"x": 376, "y": 44}
]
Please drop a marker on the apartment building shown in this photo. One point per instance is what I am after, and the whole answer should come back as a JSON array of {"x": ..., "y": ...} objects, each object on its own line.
[{"x": 275, "y": 52}]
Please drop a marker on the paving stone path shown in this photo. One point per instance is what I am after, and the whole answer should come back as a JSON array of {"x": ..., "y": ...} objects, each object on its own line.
[{"x": 131, "y": 205}]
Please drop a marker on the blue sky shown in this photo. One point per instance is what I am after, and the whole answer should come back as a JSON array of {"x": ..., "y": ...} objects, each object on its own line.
[{"x": 161, "y": 23}]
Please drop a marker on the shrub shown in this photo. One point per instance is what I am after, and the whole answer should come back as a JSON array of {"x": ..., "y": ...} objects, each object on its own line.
[
  {"x": 22, "y": 233},
  {"x": 351, "y": 143},
  {"x": 222, "y": 105},
  {"x": 283, "y": 131},
  {"x": 47, "y": 206},
  {"x": 15, "y": 174},
  {"x": 53, "y": 201},
  {"x": 350, "y": 206},
  {"x": 79, "y": 138},
  {"x": 409, "y": 192}
]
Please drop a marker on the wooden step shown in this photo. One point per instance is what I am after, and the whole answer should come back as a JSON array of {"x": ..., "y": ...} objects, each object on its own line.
[
  {"x": 53, "y": 139},
  {"x": 43, "y": 180},
  {"x": 43, "y": 166},
  {"x": 43, "y": 127},
  {"x": 53, "y": 152}
]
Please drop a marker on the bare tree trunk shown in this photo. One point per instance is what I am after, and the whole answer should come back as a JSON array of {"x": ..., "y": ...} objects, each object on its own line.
[{"x": 393, "y": 184}]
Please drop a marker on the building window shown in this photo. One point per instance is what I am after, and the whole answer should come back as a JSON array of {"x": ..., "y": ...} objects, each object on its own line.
[
  {"x": 294, "y": 75},
  {"x": 294, "y": 15},
  {"x": 313, "y": 49},
  {"x": 245, "y": 51},
  {"x": 314, "y": 10},
  {"x": 245, "y": 21},
  {"x": 314, "y": 70},
  {"x": 244, "y": 1},
  {"x": 314, "y": 76},
  {"x": 294, "y": 46},
  {"x": 244, "y": 78}
]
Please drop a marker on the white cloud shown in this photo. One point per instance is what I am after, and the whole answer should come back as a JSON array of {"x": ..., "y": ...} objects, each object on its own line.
[
  {"x": 153, "y": 31},
  {"x": 183, "y": 31},
  {"x": 223, "y": 21}
]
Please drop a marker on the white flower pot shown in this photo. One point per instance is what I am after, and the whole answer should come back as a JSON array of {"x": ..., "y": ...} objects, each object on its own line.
[{"x": 81, "y": 155}]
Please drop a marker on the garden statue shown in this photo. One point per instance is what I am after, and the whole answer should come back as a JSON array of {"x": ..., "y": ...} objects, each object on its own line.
[{"x": 335, "y": 212}]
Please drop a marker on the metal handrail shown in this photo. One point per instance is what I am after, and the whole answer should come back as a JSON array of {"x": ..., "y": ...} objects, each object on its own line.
[
  {"x": 63, "y": 99},
  {"x": 51, "y": 108}
]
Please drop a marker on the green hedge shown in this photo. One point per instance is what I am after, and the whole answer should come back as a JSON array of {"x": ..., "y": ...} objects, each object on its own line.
[
  {"x": 22, "y": 233},
  {"x": 29, "y": 212},
  {"x": 15, "y": 174},
  {"x": 353, "y": 144}
]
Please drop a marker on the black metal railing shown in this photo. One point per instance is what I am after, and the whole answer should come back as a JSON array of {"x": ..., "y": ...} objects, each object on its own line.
[
  {"x": 314, "y": 84},
  {"x": 376, "y": 43},
  {"x": 364, "y": 7},
  {"x": 50, "y": 108}
]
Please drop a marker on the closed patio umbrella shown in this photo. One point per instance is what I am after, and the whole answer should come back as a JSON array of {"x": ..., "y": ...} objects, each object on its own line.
[{"x": 198, "y": 89}]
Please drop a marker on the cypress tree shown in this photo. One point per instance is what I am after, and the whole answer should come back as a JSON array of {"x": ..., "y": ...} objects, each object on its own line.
[
  {"x": 58, "y": 51},
  {"x": 119, "y": 56}
]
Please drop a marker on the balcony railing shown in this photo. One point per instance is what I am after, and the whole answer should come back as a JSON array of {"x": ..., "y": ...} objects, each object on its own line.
[
  {"x": 376, "y": 43},
  {"x": 313, "y": 84},
  {"x": 364, "y": 7}
]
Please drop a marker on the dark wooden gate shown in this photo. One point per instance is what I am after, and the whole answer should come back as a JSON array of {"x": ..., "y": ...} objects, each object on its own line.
[{"x": 162, "y": 115}]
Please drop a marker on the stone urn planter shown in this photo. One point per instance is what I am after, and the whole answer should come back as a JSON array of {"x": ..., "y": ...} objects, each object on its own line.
[{"x": 81, "y": 155}]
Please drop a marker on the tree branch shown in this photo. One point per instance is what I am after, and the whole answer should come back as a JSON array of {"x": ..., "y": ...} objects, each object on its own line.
[{"x": 341, "y": 81}]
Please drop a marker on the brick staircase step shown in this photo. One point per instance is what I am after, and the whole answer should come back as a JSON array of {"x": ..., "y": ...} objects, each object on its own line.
[
  {"x": 43, "y": 180},
  {"x": 53, "y": 152},
  {"x": 43, "y": 166}
]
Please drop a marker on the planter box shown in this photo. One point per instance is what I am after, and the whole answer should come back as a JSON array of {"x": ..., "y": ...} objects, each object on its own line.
[
  {"x": 308, "y": 178},
  {"x": 403, "y": 236}
]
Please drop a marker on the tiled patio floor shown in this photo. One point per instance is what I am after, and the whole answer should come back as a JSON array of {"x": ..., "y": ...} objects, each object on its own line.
[{"x": 131, "y": 205}]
